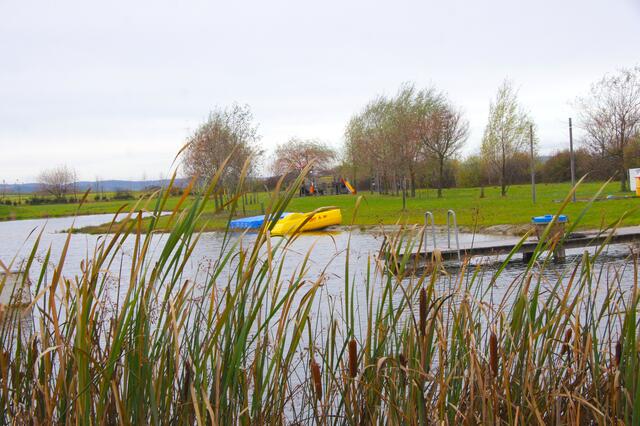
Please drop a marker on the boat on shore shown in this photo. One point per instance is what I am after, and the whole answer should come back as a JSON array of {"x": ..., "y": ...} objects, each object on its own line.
[
  {"x": 252, "y": 222},
  {"x": 303, "y": 222}
]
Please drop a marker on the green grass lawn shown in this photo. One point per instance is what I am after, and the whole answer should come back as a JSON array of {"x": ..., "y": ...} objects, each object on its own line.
[
  {"x": 515, "y": 209},
  {"x": 472, "y": 211}
]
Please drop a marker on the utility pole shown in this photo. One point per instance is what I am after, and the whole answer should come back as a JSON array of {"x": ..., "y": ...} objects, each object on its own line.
[
  {"x": 533, "y": 165},
  {"x": 573, "y": 161}
]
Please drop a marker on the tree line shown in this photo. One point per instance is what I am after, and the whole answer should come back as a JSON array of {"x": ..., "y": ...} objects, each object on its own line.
[
  {"x": 392, "y": 138},
  {"x": 415, "y": 137}
]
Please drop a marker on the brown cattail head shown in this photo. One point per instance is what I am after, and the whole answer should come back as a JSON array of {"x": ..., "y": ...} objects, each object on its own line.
[
  {"x": 316, "y": 378},
  {"x": 567, "y": 341},
  {"x": 353, "y": 358},
  {"x": 34, "y": 350},
  {"x": 403, "y": 360},
  {"x": 436, "y": 255},
  {"x": 493, "y": 353},
  {"x": 618, "y": 353},
  {"x": 423, "y": 311},
  {"x": 186, "y": 380},
  {"x": 4, "y": 360}
]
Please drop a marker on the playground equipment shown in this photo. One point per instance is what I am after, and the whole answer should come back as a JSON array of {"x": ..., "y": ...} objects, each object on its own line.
[
  {"x": 347, "y": 185},
  {"x": 327, "y": 185}
]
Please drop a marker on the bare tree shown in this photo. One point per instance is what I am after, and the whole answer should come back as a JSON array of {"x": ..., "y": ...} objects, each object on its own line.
[
  {"x": 295, "y": 154},
  {"x": 227, "y": 133},
  {"x": 610, "y": 116},
  {"x": 58, "y": 181},
  {"x": 443, "y": 132},
  {"x": 506, "y": 133}
]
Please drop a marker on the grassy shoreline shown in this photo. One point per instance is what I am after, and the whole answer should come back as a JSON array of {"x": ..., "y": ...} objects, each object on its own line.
[{"x": 492, "y": 213}]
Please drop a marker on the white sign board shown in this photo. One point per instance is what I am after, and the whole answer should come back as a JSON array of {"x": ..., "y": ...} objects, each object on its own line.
[{"x": 632, "y": 178}]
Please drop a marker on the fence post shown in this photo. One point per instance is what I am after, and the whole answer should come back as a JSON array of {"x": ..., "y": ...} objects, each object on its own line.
[{"x": 404, "y": 194}]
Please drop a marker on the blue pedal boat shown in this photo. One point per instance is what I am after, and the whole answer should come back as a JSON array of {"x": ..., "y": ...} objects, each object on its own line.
[{"x": 253, "y": 222}]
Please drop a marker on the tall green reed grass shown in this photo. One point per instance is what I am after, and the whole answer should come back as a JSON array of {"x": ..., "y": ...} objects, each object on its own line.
[{"x": 250, "y": 345}]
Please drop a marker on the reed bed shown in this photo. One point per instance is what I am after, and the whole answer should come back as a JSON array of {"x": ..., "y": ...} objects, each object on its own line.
[{"x": 245, "y": 344}]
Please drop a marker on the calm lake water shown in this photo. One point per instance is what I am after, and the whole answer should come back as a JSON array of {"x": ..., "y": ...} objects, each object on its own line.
[
  {"x": 328, "y": 249},
  {"x": 327, "y": 252}
]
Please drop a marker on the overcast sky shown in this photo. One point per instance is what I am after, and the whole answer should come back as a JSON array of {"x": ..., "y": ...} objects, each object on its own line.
[{"x": 114, "y": 88}]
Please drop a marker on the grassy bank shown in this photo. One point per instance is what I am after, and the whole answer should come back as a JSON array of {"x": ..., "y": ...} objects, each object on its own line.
[
  {"x": 472, "y": 210},
  {"x": 245, "y": 345},
  {"x": 27, "y": 211},
  {"x": 517, "y": 208}
]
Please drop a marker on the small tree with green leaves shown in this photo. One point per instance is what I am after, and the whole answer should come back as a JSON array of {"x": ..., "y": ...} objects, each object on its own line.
[{"x": 506, "y": 133}]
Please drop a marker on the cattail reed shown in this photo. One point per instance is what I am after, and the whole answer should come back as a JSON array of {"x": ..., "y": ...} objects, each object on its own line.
[
  {"x": 187, "y": 381},
  {"x": 493, "y": 353},
  {"x": 316, "y": 378},
  {"x": 436, "y": 257},
  {"x": 403, "y": 360},
  {"x": 423, "y": 311},
  {"x": 567, "y": 341},
  {"x": 353, "y": 358},
  {"x": 139, "y": 370},
  {"x": 4, "y": 362}
]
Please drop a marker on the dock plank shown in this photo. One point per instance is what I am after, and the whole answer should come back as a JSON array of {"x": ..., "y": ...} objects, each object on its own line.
[{"x": 630, "y": 234}]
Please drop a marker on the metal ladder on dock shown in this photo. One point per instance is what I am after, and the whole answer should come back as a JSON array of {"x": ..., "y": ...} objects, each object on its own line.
[{"x": 428, "y": 219}]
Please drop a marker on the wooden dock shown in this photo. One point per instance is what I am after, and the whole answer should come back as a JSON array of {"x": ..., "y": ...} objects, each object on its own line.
[{"x": 625, "y": 235}]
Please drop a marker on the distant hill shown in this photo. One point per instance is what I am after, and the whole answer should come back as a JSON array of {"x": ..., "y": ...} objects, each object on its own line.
[{"x": 105, "y": 185}]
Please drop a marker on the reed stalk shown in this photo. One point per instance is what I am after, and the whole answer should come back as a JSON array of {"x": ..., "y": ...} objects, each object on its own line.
[{"x": 241, "y": 343}]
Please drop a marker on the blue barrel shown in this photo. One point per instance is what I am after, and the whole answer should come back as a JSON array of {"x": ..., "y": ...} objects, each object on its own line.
[{"x": 547, "y": 218}]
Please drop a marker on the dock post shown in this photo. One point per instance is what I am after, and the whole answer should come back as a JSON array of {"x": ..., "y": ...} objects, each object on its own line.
[{"x": 559, "y": 254}]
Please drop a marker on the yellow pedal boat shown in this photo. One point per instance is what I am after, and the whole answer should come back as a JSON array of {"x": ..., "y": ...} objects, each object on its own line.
[{"x": 291, "y": 222}]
